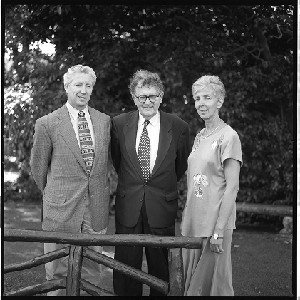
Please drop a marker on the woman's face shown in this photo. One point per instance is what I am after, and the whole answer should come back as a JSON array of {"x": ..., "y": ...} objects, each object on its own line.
[{"x": 207, "y": 103}]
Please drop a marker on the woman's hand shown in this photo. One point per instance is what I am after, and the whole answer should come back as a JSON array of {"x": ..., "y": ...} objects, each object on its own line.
[{"x": 216, "y": 245}]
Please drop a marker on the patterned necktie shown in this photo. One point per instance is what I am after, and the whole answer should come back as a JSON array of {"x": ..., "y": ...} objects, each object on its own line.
[
  {"x": 86, "y": 142},
  {"x": 144, "y": 152}
]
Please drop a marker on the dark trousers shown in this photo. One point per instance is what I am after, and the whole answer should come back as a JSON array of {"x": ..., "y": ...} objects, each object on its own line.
[{"x": 157, "y": 258}]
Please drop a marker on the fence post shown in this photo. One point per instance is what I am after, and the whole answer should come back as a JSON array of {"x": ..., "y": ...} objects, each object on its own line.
[
  {"x": 74, "y": 271},
  {"x": 176, "y": 285}
]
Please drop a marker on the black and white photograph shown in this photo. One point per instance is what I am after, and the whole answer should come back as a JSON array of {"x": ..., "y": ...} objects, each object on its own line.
[{"x": 148, "y": 149}]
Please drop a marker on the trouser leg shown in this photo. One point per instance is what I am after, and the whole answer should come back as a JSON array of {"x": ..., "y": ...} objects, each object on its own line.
[
  {"x": 213, "y": 273},
  {"x": 58, "y": 268},
  {"x": 190, "y": 258},
  {"x": 132, "y": 256},
  {"x": 157, "y": 258},
  {"x": 91, "y": 271},
  {"x": 222, "y": 281}
]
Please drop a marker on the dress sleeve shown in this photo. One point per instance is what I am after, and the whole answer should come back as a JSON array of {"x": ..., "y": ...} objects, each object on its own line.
[{"x": 231, "y": 148}]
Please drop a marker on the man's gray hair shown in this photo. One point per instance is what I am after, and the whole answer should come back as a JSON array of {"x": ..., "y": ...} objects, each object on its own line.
[
  {"x": 209, "y": 81},
  {"x": 68, "y": 76},
  {"x": 145, "y": 78}
]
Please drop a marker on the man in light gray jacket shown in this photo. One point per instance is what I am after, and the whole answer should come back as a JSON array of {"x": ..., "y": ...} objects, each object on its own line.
[{"x": 69, "y": 162}]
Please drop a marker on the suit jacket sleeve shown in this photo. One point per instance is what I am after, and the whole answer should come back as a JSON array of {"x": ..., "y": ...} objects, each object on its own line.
[
  {"x": 110, "y": 162},
  {"x": 183, "y": 152},
  {"x": 40, "y": 154},
  {"x": 115, "y": 146}
]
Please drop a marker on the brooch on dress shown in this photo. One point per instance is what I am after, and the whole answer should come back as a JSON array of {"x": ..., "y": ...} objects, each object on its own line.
[
  {"x": 217, "y": 142},
  {"x": 199, "y": 180}
]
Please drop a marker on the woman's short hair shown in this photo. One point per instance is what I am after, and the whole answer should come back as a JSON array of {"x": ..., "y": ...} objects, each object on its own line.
[
  {"x": 68, "y": 76},
  {"x": 143, "y": 78},
  {"x": 210, "y": 81}
]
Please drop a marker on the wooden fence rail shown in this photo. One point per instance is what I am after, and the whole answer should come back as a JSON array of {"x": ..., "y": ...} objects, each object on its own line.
[
  {"x": 272, "y": 210},
  {"x": 37, "y": 260},
  {"x": 148, "y": 279},
  {"x": 76, "y": 250},
  {"x": 48, "y": 286},
  {"x": 85, "y": 239},
  {"x": 266, "y": 209}
]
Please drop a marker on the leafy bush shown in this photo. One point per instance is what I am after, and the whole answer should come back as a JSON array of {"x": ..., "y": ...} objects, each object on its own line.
[
  {"x": 11, "y": 193},
  {"x": 23, "y": 190},
  {"x": 10, "y": 165}
]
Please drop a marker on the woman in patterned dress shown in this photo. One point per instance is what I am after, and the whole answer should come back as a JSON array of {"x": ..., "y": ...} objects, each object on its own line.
[{"x": 212, "y": 186}]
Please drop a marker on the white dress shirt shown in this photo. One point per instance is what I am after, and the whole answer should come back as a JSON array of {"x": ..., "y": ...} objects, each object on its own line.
[
  {"x": 153, "y": 129},
  {"x": 73, "y": 112}
]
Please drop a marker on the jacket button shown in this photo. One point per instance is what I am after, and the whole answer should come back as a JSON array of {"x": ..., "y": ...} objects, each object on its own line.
[{"x": 141, "y": 200}]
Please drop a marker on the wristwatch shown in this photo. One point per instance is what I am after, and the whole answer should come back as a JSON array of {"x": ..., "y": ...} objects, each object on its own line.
[{"x": 216, "y": 236}]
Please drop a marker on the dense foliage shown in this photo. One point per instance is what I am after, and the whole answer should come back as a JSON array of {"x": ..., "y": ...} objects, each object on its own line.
[{"x": 249, "y": 47}]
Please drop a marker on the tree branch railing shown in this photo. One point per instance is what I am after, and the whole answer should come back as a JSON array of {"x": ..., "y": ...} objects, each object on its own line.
[
  {"x": 266, "y": 209},
  {"x": 284, "y": 211},
  {"x": 76, "y": 249}
]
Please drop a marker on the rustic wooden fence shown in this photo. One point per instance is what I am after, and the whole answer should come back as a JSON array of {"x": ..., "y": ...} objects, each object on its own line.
[
  {"x": 76, "y": 249},
  {"x": 272, "y": 210}
]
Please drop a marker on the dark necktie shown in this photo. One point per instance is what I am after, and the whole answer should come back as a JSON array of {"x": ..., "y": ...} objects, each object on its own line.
[
  {"x": 86, "y": 142},
  {"x": 144, "y": 152}
]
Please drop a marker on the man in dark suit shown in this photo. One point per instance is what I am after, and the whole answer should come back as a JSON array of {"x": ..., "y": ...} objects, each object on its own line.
[{"x": 149, "y": 150}]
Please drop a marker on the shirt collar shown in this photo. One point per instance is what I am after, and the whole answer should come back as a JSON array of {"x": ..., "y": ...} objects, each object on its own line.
[
  {"x": 74, "y": 111},
  {"x": 153, "y": 121}
]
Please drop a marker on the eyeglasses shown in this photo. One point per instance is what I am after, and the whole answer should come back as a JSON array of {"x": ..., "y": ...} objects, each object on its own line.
[{"x": 143, "y": 98}]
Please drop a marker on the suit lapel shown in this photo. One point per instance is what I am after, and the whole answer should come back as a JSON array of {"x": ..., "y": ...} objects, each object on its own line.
[
  {"x": 98, "y": 134},
  {"x": 68, "y": 134},
  {"x": 130, "y": 131},
  {"x": 165, "y": 138}
]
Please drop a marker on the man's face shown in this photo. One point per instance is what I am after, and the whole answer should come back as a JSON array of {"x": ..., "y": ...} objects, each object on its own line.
[
  {"x": 147, "y": 107},
  {"x": 79, "y": 90}
]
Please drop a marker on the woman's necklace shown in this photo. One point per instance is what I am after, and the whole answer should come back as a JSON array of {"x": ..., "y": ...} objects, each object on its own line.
[
  {"x": 206, "y": 136},
  {"x": 201, "y": 136}
]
